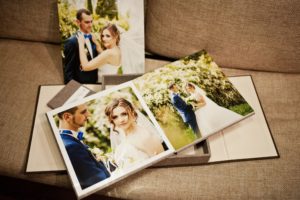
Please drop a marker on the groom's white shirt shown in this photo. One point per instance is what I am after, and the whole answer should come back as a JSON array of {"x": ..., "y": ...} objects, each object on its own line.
[{"x": 88, "y": 44}]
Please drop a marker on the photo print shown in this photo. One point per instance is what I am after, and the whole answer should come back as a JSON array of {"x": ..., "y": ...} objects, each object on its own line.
[
  {"x": 192, "y": 98},
  {"x": 107, "y": 136},
  {"x": 101, "y": 37}
]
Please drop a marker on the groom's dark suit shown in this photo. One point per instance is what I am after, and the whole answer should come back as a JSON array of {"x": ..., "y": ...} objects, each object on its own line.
[
  {"x": 72, "y": 63},
  {"x": 88, "y": 170},
  {"x": 186, "y": 112}
]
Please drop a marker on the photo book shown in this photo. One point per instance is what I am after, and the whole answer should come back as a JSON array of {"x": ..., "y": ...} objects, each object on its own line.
[
  {"x": 109, "y": 135},
  {"x": 101, "y": 37},
  {"x": 230, "y": 144},
  {"x": 44, "y": 155},
  {"x": 233, "y": 143}
]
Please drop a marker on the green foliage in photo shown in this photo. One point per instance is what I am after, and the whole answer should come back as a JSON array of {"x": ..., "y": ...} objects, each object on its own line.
[
  {"x": 97, "y": 129},
  {"x": 104, "y": 12},
  {"x": 171, "y": 123},
  {"x": 199, "y": 69}
]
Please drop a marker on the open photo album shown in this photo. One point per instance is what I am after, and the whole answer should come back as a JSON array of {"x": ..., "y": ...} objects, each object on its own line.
[
  {"x": 101, "y": 37},
  {"x": 111, "y": 134}
]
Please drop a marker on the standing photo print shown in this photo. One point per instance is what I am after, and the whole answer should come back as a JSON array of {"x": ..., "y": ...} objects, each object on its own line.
[{"x": 101, "y": 37}]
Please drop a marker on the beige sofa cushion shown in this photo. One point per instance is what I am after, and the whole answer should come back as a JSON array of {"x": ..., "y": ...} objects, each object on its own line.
[
  {"x": 33, "y": 20},
  {"x": 23, "y": 70},
  {"x": 259, "y": 35}
]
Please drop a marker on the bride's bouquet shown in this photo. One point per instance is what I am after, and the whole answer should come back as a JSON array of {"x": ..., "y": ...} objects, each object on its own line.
[{"x": 195, "y": 103}]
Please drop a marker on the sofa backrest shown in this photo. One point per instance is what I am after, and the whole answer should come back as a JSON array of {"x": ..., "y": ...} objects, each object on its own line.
[
  {"x": 258, "y": 35},
  {"x": 34, "y": 20}
]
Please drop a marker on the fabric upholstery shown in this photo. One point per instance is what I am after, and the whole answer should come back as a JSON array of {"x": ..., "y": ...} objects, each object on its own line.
[
  {"x": 255, "y": 36},
  {"x": 22, "y": 71},
  {"x": 259, "y": 35},
  {"x": 30, "y": 20}
]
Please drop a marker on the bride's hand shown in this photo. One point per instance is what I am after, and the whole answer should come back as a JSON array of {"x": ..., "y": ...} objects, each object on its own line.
[
  {"x": 95, "y": 40},
  {"x": 80, "y": 38},
  {"x": 201, "y": 102}
]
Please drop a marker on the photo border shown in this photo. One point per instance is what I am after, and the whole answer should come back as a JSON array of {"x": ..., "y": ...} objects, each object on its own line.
[{"x": 104, "y": 183}]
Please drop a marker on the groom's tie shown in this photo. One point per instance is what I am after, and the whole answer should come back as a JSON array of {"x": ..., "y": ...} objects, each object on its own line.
[
  {"x": 79, "y": 135},
  {"x": 89, "y": 36}
]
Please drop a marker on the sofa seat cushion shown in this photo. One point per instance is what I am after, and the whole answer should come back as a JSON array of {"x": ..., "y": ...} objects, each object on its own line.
[{"x": 26, "y": 65}]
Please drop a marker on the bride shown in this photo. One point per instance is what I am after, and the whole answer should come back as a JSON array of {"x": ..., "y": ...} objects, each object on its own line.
[
  {"x": 108, "y": 60},
  {"x": 210, "y": 116},
  {"x": 133, "y": 137}
]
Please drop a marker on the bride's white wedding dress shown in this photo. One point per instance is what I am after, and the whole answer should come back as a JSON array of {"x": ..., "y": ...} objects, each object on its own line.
[
  {"x": 131, "y": 149},
  {"x": 134, "y": 148},
  {"x": 127, "y": 153},
  {"x": 107, "y": 69},
  {"x": 212, "y": 117},
  {"x": 132, "y": 41}
]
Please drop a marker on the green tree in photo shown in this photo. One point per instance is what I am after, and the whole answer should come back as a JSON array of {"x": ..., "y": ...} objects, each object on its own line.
[
  {"x": 107, "y": 8},
  {"x": 89, "y": 6},
  {"x": 67, "y": 17},
  {"x": 199, "y": 69},
  {"x": 105, "y": 12}
]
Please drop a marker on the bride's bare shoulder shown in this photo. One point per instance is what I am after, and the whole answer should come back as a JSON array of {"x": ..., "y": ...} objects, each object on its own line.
[
  {"x": 112, "y": 54},
  {"x": 113, "y": 51}
]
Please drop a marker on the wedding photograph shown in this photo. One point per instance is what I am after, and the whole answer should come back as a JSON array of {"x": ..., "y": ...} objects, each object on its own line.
[
  {"x": 192, "y": 98},
  {"x": 100, "y": 37},
  {"x": 107, "y": 136}
]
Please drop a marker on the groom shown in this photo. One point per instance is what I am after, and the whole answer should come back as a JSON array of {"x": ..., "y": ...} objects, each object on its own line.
[
  {"x": 71, "y": 51},
  {"x": 185, "y": 110},
  {"x": 88, "y": 170}
]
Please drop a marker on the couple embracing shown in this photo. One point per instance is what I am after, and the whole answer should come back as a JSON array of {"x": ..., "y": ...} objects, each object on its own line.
[
  {"x": 132, "y": 136},
  {"x": 202, "y": 114},
  {"x": 84, "y": 54},
  {"x": 86, "y": 59}
]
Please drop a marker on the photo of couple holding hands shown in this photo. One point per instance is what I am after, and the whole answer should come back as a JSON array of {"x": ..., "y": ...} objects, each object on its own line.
[
  {"x": 106, "y": 45},
  {"x": 191, "y": 98},
  {"x": 198, "y": 111},
  {"x": 131, "y": 136}
]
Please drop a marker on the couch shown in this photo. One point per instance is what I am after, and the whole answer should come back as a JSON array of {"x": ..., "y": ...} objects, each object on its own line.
[{"x": 257, "y": 38}]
